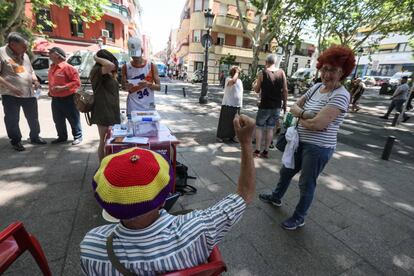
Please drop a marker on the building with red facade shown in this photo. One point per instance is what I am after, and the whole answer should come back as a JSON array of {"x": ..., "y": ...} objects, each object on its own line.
[{"x": 121, "y": 20}]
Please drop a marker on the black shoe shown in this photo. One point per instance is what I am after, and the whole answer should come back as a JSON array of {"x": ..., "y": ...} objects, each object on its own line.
[
  {"x": 293, "y": 223},
  {"x": 38, "y": 141},
  {"x": 59, "y": 140},
  {"x": 269, "y": 199},
  {"x": 18, "y": 146},
  {"x": 271, "y": 146},
  {"x": 406, "y": 119},
  {"x": 77, "y": 141},
  {"x": 384, "y": 117}
]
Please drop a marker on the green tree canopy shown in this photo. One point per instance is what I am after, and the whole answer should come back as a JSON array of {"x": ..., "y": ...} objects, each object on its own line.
[
  {"x": 352, "y": 22},
  {"x": 280, "y": 20}
]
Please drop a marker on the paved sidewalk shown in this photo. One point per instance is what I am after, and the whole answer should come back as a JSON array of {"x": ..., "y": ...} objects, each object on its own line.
[{"x": 361, "y": 222}]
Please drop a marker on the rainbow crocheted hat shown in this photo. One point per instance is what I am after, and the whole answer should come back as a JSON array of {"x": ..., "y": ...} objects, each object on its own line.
[{"x": 132, "y": 182}]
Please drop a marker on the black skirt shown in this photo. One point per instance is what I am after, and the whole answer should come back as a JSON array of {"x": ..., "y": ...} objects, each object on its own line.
[{"x": 225, "y": 129}]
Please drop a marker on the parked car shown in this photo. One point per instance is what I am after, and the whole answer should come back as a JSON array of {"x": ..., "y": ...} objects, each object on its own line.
[
  {"x": 162, "y": 69},
  {"x": 395, "y": 79},
  {"x": 304, "y": 74},
  {"x": 41, "y": 68},
  {"x": 369, "y": 81}
]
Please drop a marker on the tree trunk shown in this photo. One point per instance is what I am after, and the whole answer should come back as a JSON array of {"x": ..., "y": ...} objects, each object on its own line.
[
  {"x": 16, "y": 16},
  {"x": 255, "y": 61}
]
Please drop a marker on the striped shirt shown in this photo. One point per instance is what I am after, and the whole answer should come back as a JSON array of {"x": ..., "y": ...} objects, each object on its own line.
[
  {"x": 338, "y": 98},
  {"x": 171, "y": 243}
]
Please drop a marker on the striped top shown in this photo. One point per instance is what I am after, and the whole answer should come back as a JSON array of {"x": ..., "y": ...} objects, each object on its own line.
[
  {"x": 338, "y": 98},
  {"x": 171, "y": 243}
]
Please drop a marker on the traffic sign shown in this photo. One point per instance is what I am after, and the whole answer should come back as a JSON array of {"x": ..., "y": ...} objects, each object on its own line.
[{"x": 206, "y": 39}]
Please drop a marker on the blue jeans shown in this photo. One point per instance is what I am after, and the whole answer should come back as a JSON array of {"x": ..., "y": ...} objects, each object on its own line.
[
  {"x": 310, "y": 159},
  {"x": 64, "y": 108},
  {"x": 11, "y": 107},
  {"x": 398, "y": 105},
  {"x": 267, "y": 118}
]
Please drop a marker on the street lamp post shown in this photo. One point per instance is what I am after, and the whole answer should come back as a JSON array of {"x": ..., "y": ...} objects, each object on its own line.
[
  {"x": 209, "y": 16},
  {"x": 360, "y": 51}
]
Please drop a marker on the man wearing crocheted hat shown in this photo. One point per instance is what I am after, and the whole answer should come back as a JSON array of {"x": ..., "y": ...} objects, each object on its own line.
[{"x": 132, "y": 186}]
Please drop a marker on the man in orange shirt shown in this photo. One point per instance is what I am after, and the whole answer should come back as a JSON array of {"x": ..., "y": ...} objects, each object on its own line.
[{"x": 63, "y": 83}]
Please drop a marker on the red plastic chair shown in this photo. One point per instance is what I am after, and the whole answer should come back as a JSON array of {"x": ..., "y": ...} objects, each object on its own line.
[
  {"x": 14, "y": 240},
  {"x": 214, "y": 267}
]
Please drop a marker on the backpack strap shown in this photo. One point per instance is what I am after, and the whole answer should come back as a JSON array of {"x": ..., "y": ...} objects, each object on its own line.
[{"x": 114, "y": 259}]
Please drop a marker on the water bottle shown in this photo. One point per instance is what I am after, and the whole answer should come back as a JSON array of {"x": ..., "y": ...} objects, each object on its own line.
[
  {"x": 124, "y": 120},
  {"x": 130, "y": 125},
  {"x": 288, "y": 120},
  {"x": 37, "y": 92}
]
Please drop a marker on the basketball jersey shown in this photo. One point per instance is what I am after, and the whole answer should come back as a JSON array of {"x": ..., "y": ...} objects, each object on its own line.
[{"x": 142, "y": 99}]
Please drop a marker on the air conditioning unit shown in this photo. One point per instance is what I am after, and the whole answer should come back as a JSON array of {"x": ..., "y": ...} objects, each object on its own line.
[{"x": 105, "y": 33}]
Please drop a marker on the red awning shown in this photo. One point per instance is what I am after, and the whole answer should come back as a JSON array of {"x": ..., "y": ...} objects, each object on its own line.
[{"x": 42, "y": 46}]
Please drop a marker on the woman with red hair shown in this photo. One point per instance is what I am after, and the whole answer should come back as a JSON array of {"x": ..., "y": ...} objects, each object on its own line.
[{"x": 320, "y": 111}]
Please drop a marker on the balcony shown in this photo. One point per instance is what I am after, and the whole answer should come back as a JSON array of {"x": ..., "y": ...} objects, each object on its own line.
[
  {"x": 118, "y": 11},
  {"x": 231, "y": 22}
]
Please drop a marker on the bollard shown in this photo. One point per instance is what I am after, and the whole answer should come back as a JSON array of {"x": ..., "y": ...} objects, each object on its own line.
[
  {"x": 166, "y": 88},
  {"x": 184, "y": 92},
  {"x": 388, "y": 147},
  {"x": 395, "y": 119}
]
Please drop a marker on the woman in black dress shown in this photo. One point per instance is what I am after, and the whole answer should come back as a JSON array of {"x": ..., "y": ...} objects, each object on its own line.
[{"x": 105, "y": 86}]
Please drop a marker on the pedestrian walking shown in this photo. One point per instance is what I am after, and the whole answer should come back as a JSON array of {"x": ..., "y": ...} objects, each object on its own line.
[
  {"x": 231, "y": 104},
  {"x": 321, "y": 110},
  {"x": 398, "y": 99},
  {"x": 17, "y": 84},
  {"x": 106, "y": 111},
  {"x": 148, "y": 240},
  {"x": 64, "y": 81},
  {"x": 357, "y": 91},
  {"x": 140, "y": 78},
  {"x": 410, "y": 99},
  {"x": 222, "y": 79},
  {"x": 272, "y": 85}
]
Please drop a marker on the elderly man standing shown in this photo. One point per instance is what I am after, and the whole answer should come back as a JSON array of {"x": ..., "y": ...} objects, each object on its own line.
[
  {"x": 132, "y": 186},
  {"x": 17, "y": 84},
  {"x": 272, "y": 85},
  {"x": 63, "y": 83}
]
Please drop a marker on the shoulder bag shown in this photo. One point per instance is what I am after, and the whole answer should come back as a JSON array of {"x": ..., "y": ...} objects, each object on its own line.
[
  {"x": 281, "y": 139},
  {"x": 84, "y": 100}
]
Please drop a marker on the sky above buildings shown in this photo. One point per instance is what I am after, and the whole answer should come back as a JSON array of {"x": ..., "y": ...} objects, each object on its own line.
[{"x": 158, "y": 18}]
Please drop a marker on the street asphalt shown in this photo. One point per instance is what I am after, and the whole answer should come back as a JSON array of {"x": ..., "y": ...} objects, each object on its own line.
[{"x": 360, "y": 223}]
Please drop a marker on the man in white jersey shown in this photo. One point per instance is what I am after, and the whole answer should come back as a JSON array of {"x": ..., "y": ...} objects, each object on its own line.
[
  {"x": 132, "y": 186},
  {"x": 140, "y": 78}
]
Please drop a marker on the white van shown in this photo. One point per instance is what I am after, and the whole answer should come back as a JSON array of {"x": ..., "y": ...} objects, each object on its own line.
[
  {"x": 41, "y": 66},
  {"x": 83, "y": 61}
]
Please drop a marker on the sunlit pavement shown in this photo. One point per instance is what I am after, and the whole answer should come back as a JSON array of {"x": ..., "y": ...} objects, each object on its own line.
[{"x": 361, "y": 221}]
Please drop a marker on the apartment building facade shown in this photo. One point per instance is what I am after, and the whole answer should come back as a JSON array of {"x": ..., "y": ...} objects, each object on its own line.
[
  {"x": 227, "y": 34},
  {"x": 121, "y": 20},
  {"x": 387, "y": 56}
]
